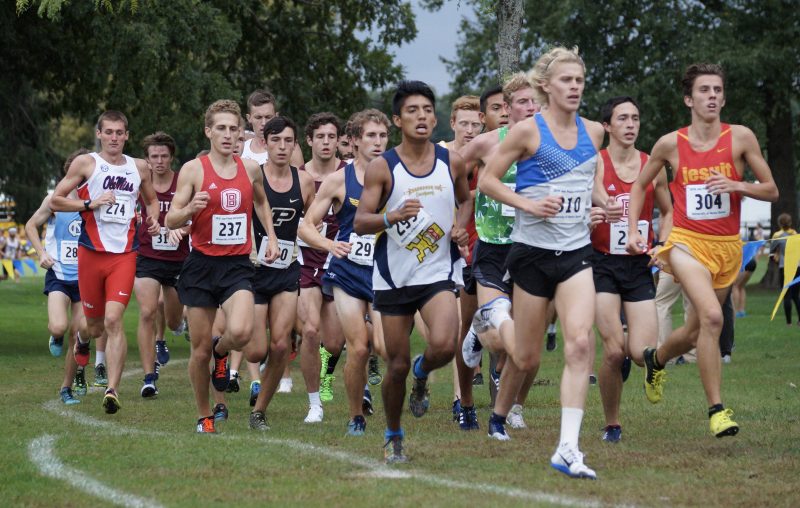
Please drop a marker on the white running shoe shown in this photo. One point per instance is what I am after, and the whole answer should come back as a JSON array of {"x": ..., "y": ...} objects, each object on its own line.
[
  {"x": 472, "y": 350},
  {"x": 570, "y": 462},
  {"x": 285, "y": 386},
  {"x": 314, "y": 414},
  {"x": 514, "y": 418}
]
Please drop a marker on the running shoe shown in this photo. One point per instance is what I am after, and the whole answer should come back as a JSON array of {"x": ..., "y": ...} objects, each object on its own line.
[
  {"x": 497, "y": 429},
  {"x": 477, "y": 380},
  {"x": 67, "y": 397},
  {"x": 612, "y": 433},
  {"x": 255, "y": 388},
  {"x": 314, "y": 414},
  {"x": 366, "y": 403},
  {"x": 100, "y": 375},
  {"x": 233, "y": 384},
  {"x": 324, "y": 356},
  {"x": 721, "y": 424},
  {"x": 326, "y": 388},
  {"x": 205, "y": 425},
  {"x": 456, "y": 410},
  {"x": 56, "y": 346},
  {"x": 570, "y": 462},
  {"x": 726, "y": 358},
  {"x": 258, "y": 421},
  {"x": 468, "y": 419},
  {"x": 80, "y": 381},
  {"x": 81, "y": 352},
  {"x": 495, "y": 379},
  {"x": 419, "y": 400},
  {"x": 220, "y": 376},
  {"x": 180, "y": 330},
  {"x": 740, "y": 314},
  {"x": 162, "y": 352},
  {"x": 186, "y": 331},
  {"x": 653, "y": 378},
  {"x": 357, "y": 426},
  {"x": 285, "y": 385},
  {"x": 515, "y": 419},
  {"x": 393, "y": 451},
  {"x": 481, "y": 319},
  {"x": 149, "y": 387},
  {"x": 472, "y": 349},
  {"x": 220, "y": 413},
  {"x": 680, "y": 360},
  {"x": 551, "y": 341},
  {"x": 592, "y": 379},
  {"x": 156, "y": 369},
  {"x": 626, "y": 368},
  {"x": 111, "y": 402},
  {"x": 373, "y": 372}
]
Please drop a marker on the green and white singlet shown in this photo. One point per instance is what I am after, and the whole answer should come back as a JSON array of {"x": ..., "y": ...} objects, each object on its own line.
[{"x": 494, "y": 220}]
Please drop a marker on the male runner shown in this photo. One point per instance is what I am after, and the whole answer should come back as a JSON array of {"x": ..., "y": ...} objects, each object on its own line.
[
  {"x": 703, "y": 250},
  {"x": 261, "y": 108},
  {"x": 275, "y": 284},
  {"x": 624, "y": 282},
  {"x": 551, "y": 252},
  {"x": 159, "y": 263},
  {"x": 316, "y": 312},
  {"x": 493, "y": 222},
  {"x": 59, "y": 257},
  {"x": 108, "y": 184},
  {"x": 409, "y": 200},
  {"x": 350, "y": 270},
  {"x": 218, "y": 192}
]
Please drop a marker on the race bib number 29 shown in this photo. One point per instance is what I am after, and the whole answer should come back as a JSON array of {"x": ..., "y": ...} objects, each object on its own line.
[
  {"x": 229, "y": 229},
  {"x": 363, "y": 248}
]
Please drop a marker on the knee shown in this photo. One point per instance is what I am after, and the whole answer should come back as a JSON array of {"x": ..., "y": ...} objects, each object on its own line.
[
  {"x": 712, "y": 320},
  {"x": 358, "y": 353},
  {"x": 279, "y": 347},
  {"x": 578, "y": 347},
  {"x": 201, "y": 355},
  {"x": 613, "y": 355},
  {"x": 527, "y": 361},
  {"x": 239, "y": 336},
  {"x": 57, "y": 328},
  {"x": 397, "y": 368},
  {"x": 147, "y": 314},
  {"x": 112, "y": 324},
  {"x": 310, "y": 335},
  {"x": 444, "y": 350}
]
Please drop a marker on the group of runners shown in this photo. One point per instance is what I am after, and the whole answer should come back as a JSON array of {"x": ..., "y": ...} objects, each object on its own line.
[{"x": 482, "y": 239}]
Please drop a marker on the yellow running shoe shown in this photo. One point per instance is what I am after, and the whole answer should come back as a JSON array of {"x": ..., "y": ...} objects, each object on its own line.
[
  {"x": 721, "y": 424},
  {"x": 654, "y": 378}
]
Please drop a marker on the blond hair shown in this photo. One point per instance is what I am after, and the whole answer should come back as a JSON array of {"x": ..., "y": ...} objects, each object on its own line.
[
  {"x": 465, "y": 103},
  {"x": 516, "y": 82},
  {"x": 543, "y": 69},
  {"x": 222, "y": 106}
]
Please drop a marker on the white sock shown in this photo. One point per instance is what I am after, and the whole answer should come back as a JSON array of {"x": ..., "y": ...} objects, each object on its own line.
[
  {"x": 571, "y": 419},
  {"x": 551, "y": 328},
  {"x": 366, "y": 386},
  {"x": 313, "y": 399},
  {"x": 159, "y": 339},
  {"x": 233, "y": 373},
  {"x": 99, "y": 357},
  {"x": 80, "y": 339}
]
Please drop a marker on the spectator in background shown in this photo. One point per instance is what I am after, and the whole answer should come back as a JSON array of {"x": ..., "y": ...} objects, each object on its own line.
[{"x": 778, "y": 253}]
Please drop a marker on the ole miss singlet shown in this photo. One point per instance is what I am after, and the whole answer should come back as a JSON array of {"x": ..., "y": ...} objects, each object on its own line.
[
  {"x": 611, "y": 238},
  {"x": 222, "y": 228},
  {"x": 112, "y": 227},
  {"x": 695, "y": 208},
  {"x": 158, "y": 247}
]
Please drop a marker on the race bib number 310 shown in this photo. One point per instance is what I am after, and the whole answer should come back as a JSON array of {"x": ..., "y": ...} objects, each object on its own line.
[
  {"x": 703, "y": 205},
  {"x": 229, "y": 229},
  {"x": 574, "y": 204}
]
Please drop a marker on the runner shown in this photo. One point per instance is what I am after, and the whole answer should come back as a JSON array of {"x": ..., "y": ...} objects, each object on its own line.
[
  {"x": 414, "y": 251},
  {"x": 261, "y": 108},
  {"x": 108, "y": 184},
  {"x": 158, "y": 264},
  {"x": 703, "y": 250},
  {"x": 551, "y": 253},
  {"x": 350, "y": 270},
  {"x": 219, "y": 193},
  {"x": 624, "y": 283}
]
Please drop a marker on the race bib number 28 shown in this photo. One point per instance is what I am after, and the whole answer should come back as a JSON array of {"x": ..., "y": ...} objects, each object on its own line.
[
  {"x": 229, "y": 229},
  {"x": 69, "y": 252}
]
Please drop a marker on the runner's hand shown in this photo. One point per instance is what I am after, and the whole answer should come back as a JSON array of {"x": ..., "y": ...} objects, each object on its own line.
[
  {"x": 45, "y": 261},
  {"x": 546, "y": 207},
  {"x": 596, "y": 216},
  {"x": 153, "y": 227},
  {"x": 636, "y": 244},
  {"x": 719, "y": 183},
  {"x": 107, "y": 198},
  {"x": 613, "y": 210},
  {"x": 199, "y": 201},
  {"x": 410, "y": 208},
  {"x": 175, "y": 236},
  {"x": 272, "y": 251},
  {"x": 460, "y": 236},
  {"x": 340, "y": 249}
]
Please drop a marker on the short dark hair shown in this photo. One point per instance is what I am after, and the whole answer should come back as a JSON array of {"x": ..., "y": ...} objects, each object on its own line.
[
  {"x": 317, "y": 120},
  {"x": 607, "y": 110},
  {"x": 74, "y": 155},
  {"x": 406, "y": 89},
  {"x": 497, "y": 89},
  {"x": 699, "y": 69},
  {"x": 112, "y": 116},
  {"x": 158, "y": 138},
  {"x": 279, "y": 124},
  {"x": 259, "y": 98}
]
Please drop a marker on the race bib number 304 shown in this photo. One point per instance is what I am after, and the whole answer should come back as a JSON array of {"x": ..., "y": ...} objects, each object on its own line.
[
  {"x": 120, "y": 212},
  {"x": 702, "y": 205},
  {"x": 161, "y": 241},
  {"x": 229, "y": 229},
  {"x": 573, "y": 207},
  {"x": 69, "y": 252},
  {"x": 619, "y": 235},
  {"x": 406, "y": 230},
  {"x": 362, "y": 250}
]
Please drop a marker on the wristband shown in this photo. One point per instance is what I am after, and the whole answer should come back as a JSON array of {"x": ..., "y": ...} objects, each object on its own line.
[
  {"x": 386, "y": 221},
  {"x": 658, "y": 244}
]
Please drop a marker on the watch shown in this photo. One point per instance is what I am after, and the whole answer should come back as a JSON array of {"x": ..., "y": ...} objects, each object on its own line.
[{"x": 87, "y": 204}]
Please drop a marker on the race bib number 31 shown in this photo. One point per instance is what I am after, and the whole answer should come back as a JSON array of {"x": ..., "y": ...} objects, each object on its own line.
[
  {"x": 229, "y": 229},
  {"x": 362, "y": 249},
  {"x": 161, "y": 241},
  {"x": 69, "y": 252},
  {"x": 702, "y": 205},
  {"x": 406, "y": 230},
  {"x": 619, "y": 235},
  {"x": 120, "y": 212},
  {"x": 573, "y": 207}
]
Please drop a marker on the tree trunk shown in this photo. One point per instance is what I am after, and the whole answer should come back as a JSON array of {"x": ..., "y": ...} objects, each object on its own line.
[{"x": 509, "y": 22}]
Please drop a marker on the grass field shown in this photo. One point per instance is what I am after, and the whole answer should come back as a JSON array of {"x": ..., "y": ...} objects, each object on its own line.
[{"x": 148, "y": 454}]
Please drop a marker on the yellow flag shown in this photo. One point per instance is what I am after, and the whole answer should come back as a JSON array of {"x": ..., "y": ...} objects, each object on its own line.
[
  {"x": 790, "y": 260},
  {"x": 9, "y": 266}
]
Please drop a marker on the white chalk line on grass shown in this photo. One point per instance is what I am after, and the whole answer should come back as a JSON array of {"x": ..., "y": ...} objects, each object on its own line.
[{"x": 42, "y": 454}]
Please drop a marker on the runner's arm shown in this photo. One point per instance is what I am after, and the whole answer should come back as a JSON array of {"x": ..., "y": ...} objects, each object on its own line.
[
  {"x": 331, "y": 189},
  {"x": 654, "y": 165},
  {"x": 80, "y": 170},
  {"x": 664, "y": 203},
  {"x": 376, "y": 183},
  {"x": 149, "y": 197},
  {"x": 262, "y": 208},
  {"x": 38, "y": 218},
  {"x": 186, "y": 202}
]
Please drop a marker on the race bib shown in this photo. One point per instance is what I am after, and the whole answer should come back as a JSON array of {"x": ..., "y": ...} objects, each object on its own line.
[
  {"x": 573, "y": 207},
  {"x": 120, "y": 212},
  {"x": 323, "y": 231},
  {"x": 69, "y": 252},
  {"x": 161, "y": 241},
  {"x": 618, "y": 236},
  {"x": 405, "y": 231},
  {"x": 362, "y": 250},
  {"x": 506, "y": 210},
  {"x": 285, "y": 253},
  {"x": 229, "y": 229},
  {"x": 702, "y": 205}
]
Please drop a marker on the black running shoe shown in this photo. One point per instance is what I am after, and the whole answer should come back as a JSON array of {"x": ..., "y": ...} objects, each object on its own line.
[{"x": 220, "y": 376}]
